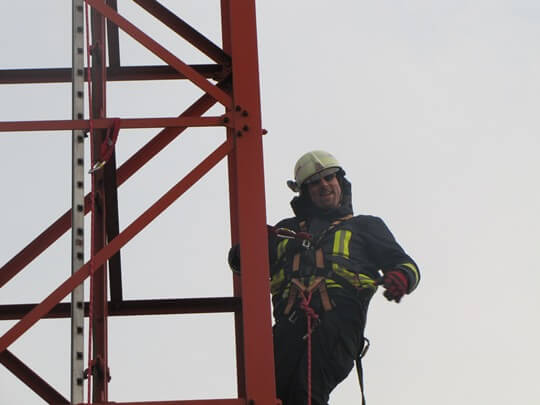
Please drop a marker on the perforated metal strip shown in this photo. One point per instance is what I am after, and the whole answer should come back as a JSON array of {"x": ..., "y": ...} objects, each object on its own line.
[{"x": 77, "y": 212}]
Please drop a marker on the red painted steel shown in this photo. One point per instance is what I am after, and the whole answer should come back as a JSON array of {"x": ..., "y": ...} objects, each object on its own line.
[
  {"x": 161, "y": 52},
  {"x": 236, "y": 401},
  {"x": 124, "y": 237},
  {"x": 98, "y": 271},
  {"x": 243, "y": 146},
  {"x": 135, "y": 307},
  {"x": 233, "y": 203},
  {"x": 251, "y": 216},
  {"x": 31, "y": 379},
  {"x": 187, "y": 32},
  {"x": 113, "y": 42},
  {"x": 113, "y": 226},
  {"x": 101, "y": 123},
  {"x": 122, "y": 73},
  {"x": 124, "y": 172}
]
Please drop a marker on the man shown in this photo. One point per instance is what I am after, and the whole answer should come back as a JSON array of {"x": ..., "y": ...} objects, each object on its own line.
[{"x": 325, "y": 265}]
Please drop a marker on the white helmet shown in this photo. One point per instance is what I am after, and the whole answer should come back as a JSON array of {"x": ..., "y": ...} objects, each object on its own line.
[{"x": 309, "y": 165}]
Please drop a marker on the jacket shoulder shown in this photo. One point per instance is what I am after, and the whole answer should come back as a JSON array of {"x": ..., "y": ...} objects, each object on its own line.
[
  {"x": 367, "y": 220},
  {"x": 290, "y": 223}
]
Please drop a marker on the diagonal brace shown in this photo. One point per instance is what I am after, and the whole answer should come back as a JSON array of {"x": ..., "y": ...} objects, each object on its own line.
[
  {"x": 124, "y": 172},
  {"x": 161, "y": 52},
  {"x": 110, "y": 249}
]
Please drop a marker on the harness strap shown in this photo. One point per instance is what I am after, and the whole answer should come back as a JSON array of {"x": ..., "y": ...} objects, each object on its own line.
[
  {"x": 325, "y": 299},
  {"x": 291, "y": 300},
  {"x": 296, "y": 262},
  {"x": 298, "y": 287},
  {"x": 293, "y": 292},
  {"x": 323, "y": 291},
  {"x": 359, "y": 369},
  {"x": 319, "y": 258}
]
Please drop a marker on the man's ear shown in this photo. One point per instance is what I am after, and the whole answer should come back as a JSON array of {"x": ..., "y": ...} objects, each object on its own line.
[{"x": 293, "y": 186}]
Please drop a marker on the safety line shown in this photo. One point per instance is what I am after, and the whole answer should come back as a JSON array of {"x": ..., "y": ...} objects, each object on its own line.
[{"x": 310, "y": 315}]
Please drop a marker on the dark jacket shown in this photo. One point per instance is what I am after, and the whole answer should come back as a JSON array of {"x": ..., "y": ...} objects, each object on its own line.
[{"x": 355, "y": 249}]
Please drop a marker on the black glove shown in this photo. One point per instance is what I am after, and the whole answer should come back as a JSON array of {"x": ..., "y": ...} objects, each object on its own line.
[{"x": 234, "y": 258}]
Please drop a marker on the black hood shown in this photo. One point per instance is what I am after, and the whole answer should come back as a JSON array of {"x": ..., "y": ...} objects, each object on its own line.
[{"x": 304, "y": 209}]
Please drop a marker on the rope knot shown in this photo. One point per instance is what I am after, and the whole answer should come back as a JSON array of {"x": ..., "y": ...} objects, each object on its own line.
[{"x": 310, "y": 312}]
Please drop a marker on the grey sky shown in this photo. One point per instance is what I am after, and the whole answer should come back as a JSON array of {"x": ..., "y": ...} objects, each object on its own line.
[{"x": 431, "y": 106}]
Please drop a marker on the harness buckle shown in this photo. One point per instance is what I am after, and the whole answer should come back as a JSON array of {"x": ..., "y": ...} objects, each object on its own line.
[
  {"x": 293, "y": 317},
  {"x": 306, "y": 243}
]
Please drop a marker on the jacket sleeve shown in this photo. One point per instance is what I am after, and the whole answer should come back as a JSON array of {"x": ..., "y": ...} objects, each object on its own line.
[
  {"x": 273, "y": 241},
  {"x": 388, "y": 254}
]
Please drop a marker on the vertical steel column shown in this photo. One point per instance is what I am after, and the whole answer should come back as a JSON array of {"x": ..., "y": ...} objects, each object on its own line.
[
  {"x": 250, "y": 202},
  {"x": 233, "y": 204},
  {"x": 100, "y": 372},
  {"x": 77, "y": 203}
]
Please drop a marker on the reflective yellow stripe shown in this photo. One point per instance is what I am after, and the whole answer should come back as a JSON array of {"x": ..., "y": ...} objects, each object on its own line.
[
  {"x": 337, "y": 239},
  {"x": 356, "y": 280},
  {"x": 281, "y": 248},
  {"x": 346, "y": 241},
  {"x": 279, "y": 277},
  {"x": 342, "y": 240},
  {"x": 413, "y": 268}
]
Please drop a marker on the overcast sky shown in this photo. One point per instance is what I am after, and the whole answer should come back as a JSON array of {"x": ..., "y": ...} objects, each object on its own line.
[{"x": 432, "y": 108}]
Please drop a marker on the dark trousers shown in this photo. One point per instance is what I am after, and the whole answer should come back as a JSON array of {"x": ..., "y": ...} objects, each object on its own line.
[{"x": 336, "y": 342}]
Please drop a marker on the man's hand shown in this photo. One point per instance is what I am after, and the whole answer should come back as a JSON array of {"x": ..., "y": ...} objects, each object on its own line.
[
  {"x": 396, "y": 284},
  {"x": 234, "y": 258}
]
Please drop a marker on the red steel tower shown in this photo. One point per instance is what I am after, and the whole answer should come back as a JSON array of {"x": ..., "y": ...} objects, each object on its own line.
[{"x": 232, "y": 81}]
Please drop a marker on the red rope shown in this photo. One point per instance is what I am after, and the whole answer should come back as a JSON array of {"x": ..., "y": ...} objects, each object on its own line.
[
  {"x": 93, "y": 206},
  {"x": 310, "y": 314}
]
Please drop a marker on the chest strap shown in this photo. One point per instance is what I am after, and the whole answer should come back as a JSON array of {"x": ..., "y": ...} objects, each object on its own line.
[{"x": 317, "y": 283}]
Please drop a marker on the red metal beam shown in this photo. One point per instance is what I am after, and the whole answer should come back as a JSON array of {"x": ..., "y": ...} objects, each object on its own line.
[
  {"x": 31, "y": 379},
  {"x": 113, "y": 41},
  {"x": 122, "y": 73},
  {"x": 104, "y": 123},
  {"x": 98, "y": 272},
  {"x": 130, "y": 167},
  {"x": 113, "y": 226},
  {"x": 236, "y": 401},
  {"x": 134, "y": 308},
  {"x": 161, "y": 52},
  {"x": 124, "y": 237},
  {"x": 250, "y": 202},
  {"x": 233, "y": 213},
  {"x": 187, "y": 32}
]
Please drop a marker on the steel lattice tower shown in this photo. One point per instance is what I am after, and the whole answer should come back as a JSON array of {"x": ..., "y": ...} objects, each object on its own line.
[{"x": 232, "y": 81}]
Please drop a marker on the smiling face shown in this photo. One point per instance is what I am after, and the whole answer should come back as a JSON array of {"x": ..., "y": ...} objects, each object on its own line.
[{"x": 325, "y": 192}]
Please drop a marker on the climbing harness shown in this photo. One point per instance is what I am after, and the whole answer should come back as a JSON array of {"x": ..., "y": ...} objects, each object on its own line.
[{"x": 314, "y": 282}]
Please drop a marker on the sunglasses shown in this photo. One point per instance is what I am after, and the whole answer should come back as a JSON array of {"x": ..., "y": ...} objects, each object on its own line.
[{"x": 316, "y": 179}]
